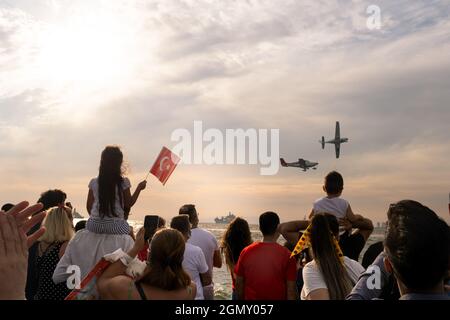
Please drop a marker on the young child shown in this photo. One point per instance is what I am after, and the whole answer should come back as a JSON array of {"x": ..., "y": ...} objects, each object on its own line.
[
  {"x": 351, "y": 243},
  {"x": 109, "y": 201},
  {"x": 109, "y": 198}
]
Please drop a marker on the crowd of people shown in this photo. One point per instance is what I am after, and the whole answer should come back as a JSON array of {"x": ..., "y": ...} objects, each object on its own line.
[{"x": 319, "y": 260}]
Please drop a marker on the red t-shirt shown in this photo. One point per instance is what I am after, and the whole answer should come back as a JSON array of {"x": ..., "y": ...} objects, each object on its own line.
[{"x": 265, "y": 268}]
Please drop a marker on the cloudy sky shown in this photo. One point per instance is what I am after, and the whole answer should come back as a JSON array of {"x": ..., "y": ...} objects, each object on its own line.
[{"x": 78, "y": 75}]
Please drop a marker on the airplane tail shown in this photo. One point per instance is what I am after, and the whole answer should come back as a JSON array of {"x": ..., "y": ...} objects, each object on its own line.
[
  {"x": 323, "y": 142},
  {"x": 283, "y": 163}
]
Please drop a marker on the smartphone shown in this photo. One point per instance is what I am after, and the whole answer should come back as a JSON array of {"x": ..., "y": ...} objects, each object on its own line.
[{"x": 150, "y": 225}]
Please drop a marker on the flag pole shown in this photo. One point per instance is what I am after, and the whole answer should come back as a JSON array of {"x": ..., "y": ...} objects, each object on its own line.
[{"x": 146, "y": 177}]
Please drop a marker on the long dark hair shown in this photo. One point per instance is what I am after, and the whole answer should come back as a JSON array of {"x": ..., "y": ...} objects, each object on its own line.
[
  {"x": 109, "y": 180},
  {"x": 236, "y": 237},
  {"x": 165, "y": 260},
  {"x": 324, "y": 233}
]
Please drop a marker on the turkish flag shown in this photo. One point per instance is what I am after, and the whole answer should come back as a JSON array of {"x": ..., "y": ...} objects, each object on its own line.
[{"x": 164, "y": 165}]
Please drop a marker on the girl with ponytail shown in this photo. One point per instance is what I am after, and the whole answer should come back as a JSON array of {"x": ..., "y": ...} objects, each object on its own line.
[
  {"x": 165, "y": 261},
  {"x": 330, "y": 276}
]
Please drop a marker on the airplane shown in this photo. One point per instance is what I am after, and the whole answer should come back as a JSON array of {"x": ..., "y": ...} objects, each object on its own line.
[
  {"x": 337, "y": 140},
  {"x": 301, "y": 164}
]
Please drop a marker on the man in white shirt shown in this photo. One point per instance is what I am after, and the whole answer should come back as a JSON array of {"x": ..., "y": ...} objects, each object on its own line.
[
  {"x": 194, "y": 262},
  {"x": 207, "y": 242}
]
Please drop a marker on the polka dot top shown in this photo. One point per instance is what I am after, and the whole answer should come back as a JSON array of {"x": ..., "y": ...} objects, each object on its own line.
[{"x": 45, "y": 266}]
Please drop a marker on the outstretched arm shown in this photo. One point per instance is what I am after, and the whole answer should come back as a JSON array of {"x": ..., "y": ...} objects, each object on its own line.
[
  {"x": 290, "y": 230},
  {"x": 130, "y": 200},
  {"x": 364, "y": 225},
  {"x": 60, "y": 273}
]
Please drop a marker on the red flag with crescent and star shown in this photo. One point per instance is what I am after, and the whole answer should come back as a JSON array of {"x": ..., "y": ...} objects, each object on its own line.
[{"x": 164, "y": 165}]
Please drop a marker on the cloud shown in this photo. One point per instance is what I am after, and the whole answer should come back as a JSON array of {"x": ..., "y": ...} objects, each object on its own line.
[{"x": 296, "y": 66}]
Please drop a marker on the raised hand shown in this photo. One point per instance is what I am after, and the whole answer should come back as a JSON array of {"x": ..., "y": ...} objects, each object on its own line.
[
  {"x": 13, "y": 259},
  {"x": 139, "y": 244},
  {"x": 22, "y": 213},
  {"x": 14, "y": 245},
  {"x": 346, "y": 224},
  {"x": 142, "y": 185}
]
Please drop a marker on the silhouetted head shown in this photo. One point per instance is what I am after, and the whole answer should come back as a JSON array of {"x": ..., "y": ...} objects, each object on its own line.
[
  {"x": 161, "y": 223},
  {"x": 182, "y": 224},
  {"x": 237, "y": 236},
  {"x": 165, "y": 260},
  {"x": 80, "y": 225},
  {"x": 417, "y": 245},
  {"x": 334, "y": 183},
  {"x": 372, "y": 253},
  {"x": 190, "y": 210},
  {"x": 7, "y": 206},
  {"x": 268, "y": 223},
  {"x": 109, "y": 180},
  {"x": 324, "y": 239},
  {"x": 52, "y": 198}
]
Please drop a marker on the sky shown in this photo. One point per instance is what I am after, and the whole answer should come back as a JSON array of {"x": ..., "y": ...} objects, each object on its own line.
[{"x": 76, "y": 76}]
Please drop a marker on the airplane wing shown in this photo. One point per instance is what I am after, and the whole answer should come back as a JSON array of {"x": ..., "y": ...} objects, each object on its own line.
[
  {"x": 337, "y": 135},
  {"x": 338, "y": 149}
]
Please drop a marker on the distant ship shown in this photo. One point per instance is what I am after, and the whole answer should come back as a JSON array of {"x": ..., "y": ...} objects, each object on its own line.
[
  {"x": 76, "y": 215},
  {"x": 225, "y": 219}
]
